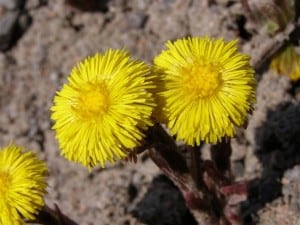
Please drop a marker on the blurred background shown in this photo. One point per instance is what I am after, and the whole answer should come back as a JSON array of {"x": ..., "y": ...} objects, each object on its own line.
[{"x": 40, "y": 42}]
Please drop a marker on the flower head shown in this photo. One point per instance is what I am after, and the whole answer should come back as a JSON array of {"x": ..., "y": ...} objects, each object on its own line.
[
  {"x": 206, "y": 88},
  {"x": 22, "y": 185},
  {"x": 287, "y": 62},
  {"x": 102, "y": 113}
]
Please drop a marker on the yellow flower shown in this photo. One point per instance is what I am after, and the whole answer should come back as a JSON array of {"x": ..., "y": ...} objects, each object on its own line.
[
  {"x": 102, "y": 113},
  {"x": 22, "y": 185},
  {"x": 287, "y": 62},
  {"x": 207, "y": 88}
]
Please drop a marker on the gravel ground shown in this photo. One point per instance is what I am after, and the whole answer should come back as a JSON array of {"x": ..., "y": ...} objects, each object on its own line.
[{"x": 49, "y": 37}]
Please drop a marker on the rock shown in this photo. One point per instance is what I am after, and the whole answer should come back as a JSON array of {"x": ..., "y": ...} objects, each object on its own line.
[
  {"x": 12, "y": 25},
  {"x": 136, "y": 19},
  {"x": 8, "y": 25},
  {"x": 24, "y": 22},
  {"x": 11, "y": 4},
  {"x": 33, "y": 4}
]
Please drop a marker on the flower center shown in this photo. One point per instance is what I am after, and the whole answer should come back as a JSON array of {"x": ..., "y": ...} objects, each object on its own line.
[
  {"x": 5, "y": 181},
  {"x": 93, "y": 101},
  {"x": 203, "y": 80}
]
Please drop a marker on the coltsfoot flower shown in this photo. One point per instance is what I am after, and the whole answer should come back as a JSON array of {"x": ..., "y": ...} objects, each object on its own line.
[
  {"x": 22, "y": 185},
  {"x": 287, "y": 62},
  {"x": 102, "y": 112},
  {"x": 206, "y": 88}
]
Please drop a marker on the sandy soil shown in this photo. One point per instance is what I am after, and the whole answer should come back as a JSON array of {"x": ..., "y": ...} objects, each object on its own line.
[{"x": 266, "y": 154}]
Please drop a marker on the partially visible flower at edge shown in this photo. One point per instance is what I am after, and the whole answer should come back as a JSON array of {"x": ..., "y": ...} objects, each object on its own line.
[
  {"x": 22, "y": 185},
  {"x": 287, "y": 62},
  {"x": 206, "y": 88},
  {"x": 102, "y": 113}
]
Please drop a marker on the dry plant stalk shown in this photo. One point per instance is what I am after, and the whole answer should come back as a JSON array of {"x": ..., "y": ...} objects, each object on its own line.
[{"x": 211, "y": 195}]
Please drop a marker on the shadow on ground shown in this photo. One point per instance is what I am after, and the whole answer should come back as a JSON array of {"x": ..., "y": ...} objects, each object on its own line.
[
  {"x": 163, "y": 204},
  {"x": 278, "y": 143}
]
